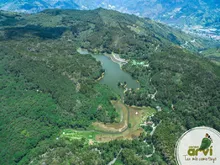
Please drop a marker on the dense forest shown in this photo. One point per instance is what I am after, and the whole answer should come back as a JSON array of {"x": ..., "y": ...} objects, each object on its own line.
[
  {"x": 47, "y": 86},
  {"x": 186, "y": 88}
]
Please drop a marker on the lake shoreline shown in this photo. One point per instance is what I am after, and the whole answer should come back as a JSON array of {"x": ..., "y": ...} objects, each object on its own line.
[
  {"x": 118, "y": 60},
  {"x": 113, "y": 56},
  {"x": 113, "y": 74},
  {"x": 101, "y": 77}
]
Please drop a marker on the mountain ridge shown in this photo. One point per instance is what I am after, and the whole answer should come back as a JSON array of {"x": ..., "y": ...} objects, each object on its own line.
[{"x": 196, "y": 16}]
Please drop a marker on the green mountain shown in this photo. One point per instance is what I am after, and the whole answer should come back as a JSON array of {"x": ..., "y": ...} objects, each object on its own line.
[
  {"x": 50, "y": 94},
  {"x": 194, "y": 16}
]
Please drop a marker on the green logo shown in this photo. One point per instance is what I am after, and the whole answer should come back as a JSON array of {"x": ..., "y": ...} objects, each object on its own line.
[
  {"x": 205, "y": 147},
  {"x": 198, "y": 146}
]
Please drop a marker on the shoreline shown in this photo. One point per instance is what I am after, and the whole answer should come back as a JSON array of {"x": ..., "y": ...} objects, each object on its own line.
[
  {"x": 101, "y": 77},
  {"x": 112, "y": 56},
  {"x": 116, "y": 60}
]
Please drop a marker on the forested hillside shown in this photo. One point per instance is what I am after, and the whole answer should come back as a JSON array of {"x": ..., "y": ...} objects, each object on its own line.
[
  {"x": 46, "y": 86},
  {"x": 186, "y": 88}
]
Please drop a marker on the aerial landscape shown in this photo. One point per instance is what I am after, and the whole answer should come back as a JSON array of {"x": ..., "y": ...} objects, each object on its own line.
[{"x": 105, "y": 83}]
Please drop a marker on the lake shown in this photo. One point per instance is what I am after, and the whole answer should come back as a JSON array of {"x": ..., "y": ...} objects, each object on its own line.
[{"x": 114, "y": 74}]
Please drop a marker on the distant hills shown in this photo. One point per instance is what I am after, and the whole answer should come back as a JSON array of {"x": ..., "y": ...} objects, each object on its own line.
[
  {"x": 32, "y": 6},
  {"x": 197, "y": 16}
]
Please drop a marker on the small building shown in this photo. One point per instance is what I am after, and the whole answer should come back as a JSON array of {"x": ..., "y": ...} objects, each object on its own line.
[
  {"x": 159, "y": 108},
  {"x": 149, "y": 123}
]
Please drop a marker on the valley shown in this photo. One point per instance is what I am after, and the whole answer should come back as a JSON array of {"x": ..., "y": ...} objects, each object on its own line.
[
  {"x": 89, "y": 87},
  {"x": 128, "y": 123}
]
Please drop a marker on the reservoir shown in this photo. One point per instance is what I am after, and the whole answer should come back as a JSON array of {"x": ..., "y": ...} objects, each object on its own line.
[{"x": 114, "y": 74}]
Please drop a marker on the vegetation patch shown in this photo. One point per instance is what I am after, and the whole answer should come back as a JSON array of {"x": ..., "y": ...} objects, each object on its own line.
[
  {"x": 115, "y": 127},
  {"x": 88, "y": 136},
  {"x": 129, "y": 128}
]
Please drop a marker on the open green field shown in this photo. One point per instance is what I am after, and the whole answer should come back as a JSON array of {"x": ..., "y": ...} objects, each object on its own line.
[
  {"x": 71, "y": 134},
  {"x": 127, "y": 128}
]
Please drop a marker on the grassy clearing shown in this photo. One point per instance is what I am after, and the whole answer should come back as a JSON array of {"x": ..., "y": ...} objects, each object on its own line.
[
  {"x": 136, "y": 116},
  {"x": 71, "y": 134},
  {"x": 129, "y": 127}
]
